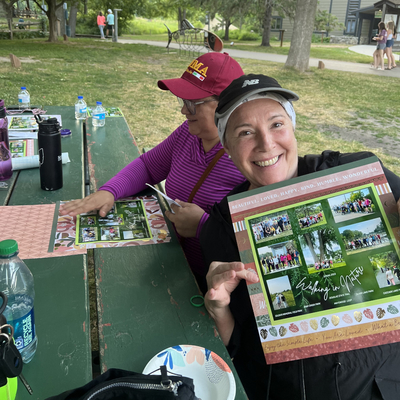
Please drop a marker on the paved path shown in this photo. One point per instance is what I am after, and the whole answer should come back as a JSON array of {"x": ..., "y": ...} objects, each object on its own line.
[{"x": 329, "y": 64}]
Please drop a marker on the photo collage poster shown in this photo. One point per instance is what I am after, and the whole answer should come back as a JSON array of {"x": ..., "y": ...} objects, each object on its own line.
[
  {"x": 326, "y": 249},
  {"x": 138, "y": 220},
  {"x": 22, "y": 148},
  {"x": 126, "y": 221}
]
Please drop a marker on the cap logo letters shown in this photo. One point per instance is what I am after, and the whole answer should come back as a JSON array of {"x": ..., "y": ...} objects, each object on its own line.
[
  {"x": 198, "y": 70},
  {"x": 252, "y": 82}
]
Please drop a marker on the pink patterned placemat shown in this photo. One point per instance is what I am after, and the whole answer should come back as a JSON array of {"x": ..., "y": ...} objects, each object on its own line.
[{"x": 31, "y": 227}]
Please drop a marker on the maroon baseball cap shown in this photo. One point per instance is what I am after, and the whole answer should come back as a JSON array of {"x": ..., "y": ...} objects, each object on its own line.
[{"x": 205, "y": 76}]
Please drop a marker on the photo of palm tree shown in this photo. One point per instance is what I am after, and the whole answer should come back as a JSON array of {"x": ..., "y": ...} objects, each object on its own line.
[{"x": 321, "y": 250}]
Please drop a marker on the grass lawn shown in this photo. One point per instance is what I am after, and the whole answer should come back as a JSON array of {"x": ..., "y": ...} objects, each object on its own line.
[
  {"x": 312, "y": 270},
  {"x": 126, "y": 75}
]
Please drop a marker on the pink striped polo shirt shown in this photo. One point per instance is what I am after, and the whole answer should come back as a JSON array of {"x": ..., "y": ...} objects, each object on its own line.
[{"x": 181, "y": 160}]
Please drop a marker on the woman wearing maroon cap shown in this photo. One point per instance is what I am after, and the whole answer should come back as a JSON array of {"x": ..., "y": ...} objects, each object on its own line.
[{"x": 183, "y": 158}]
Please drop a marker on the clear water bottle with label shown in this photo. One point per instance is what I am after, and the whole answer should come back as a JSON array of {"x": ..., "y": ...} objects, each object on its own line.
[
  {"x": 80, "y": 108},
  {"x": 5, "y": 155},
  {"x": 99, "y": 115},
  {"x": 24, "y": 99},
  {"x": 16, "y": 282}
]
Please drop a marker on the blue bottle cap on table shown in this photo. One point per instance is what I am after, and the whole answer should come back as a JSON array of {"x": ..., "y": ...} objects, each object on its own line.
[
  {"x": 8, "y": 246},
  {"x": 23, "y": 88},
  {"x": 65, "y": 132},
  {"x": 99, "y": 103},
  {"x": 80, "y": 97}
]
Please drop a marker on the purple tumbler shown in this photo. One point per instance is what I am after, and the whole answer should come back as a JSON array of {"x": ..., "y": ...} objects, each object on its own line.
[{"x": 5, "y": 155}]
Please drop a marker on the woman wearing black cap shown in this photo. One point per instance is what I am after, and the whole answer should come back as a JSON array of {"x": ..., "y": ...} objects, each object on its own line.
[{"x": 256, "y": 123}]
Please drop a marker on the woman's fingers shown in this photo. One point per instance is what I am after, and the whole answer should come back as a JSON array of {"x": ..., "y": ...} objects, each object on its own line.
[
  {"x": 101, "y": 200},
  {"x": 229, "y": 275}
]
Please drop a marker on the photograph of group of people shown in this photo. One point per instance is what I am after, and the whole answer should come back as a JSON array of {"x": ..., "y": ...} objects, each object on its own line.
[
  {"x": 88, "y": 234},
  {"x": 386, "y": 266},
  {"x": 352, "y": 205},
  {"x": 364, "y": 235},
  {"x": 310, "y": 215},
  {"x": 268, "y": 227},
  {"x": 278, "y": 257}
]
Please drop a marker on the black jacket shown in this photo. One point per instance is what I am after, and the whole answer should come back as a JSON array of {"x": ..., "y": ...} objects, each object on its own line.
[{"x": 366, "y": 374}]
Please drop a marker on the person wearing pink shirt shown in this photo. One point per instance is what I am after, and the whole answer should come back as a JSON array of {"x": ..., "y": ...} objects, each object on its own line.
[
  {"x": 101, "y": 23},
  {"x": 182, "y": 158}
]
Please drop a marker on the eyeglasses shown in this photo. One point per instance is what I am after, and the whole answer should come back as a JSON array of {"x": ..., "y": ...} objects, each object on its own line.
[{"x": 190, "y": 105}]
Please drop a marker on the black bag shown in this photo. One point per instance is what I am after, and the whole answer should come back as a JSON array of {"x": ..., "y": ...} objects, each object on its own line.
[{"x": 118, "y": 384}]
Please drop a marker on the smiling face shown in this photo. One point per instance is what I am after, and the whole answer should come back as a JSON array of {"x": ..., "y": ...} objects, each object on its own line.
[
  {"x": 260, "y": 140},
  {"x": 202, "y": 123}
]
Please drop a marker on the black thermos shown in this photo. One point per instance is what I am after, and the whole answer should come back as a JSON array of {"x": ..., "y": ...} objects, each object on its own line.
[{"x": 50, "y": 158}]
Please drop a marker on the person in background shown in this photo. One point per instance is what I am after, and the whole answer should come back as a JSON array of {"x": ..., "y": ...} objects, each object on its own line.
[
  {"x": 391, "y": 35},
  {"x": 256, "y": 122},
  {"x": 110, "y": 23},
  {"x": 380, "y": 38},
  {"x": 390, "y": 277},
  {"x": 101, "y": 22},
  {"x": 183, "y": 158}
]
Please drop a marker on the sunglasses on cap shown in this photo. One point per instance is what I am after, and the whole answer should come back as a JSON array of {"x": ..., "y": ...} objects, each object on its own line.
[{"x": 191, "y": 105}]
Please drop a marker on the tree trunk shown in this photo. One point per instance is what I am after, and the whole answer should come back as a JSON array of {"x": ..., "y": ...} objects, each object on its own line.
[
  {"x": 51, "y": 15},
  {"x": 267, "y": 24},
  {"x": 72, "y": 19},
  {"x": 10, "y": 27},
  {"x": 227, "y": 25},
  {"x": 310, "y": 246},
  {"x": 60, "y": 15},
  {"x": 321, "y": 246},
  {"x": 8, "y": 8},
  {"x": 300, "y": 44},
  {"x": 179, "y": 18},
  {"x": 85, "y": 7}
]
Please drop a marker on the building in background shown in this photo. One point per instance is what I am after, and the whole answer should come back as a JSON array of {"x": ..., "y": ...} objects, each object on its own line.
[{"x": 360, "y": 18}]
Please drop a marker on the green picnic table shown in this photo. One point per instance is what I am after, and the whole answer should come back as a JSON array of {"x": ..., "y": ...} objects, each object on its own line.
[
  {"x": 63, "y": 359},
  {"x": 143, "y": 292}
]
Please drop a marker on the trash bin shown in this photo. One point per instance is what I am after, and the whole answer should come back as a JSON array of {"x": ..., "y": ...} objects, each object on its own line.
[{"x": 68, "y": 30}]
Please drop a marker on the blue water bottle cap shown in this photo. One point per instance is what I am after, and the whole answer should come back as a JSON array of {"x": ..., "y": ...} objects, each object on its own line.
[
  {"x": 23, "y": 88},
  {"x": 99, "y": 103},
  {"x": 80, "y": 97}
]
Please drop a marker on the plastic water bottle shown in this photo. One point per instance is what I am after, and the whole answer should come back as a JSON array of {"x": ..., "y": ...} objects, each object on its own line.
[
  {"x": 5, "y": 155},
  {"x": 16, "y": 282},
  {"x": 80, "y": 108},
  {"x": 24, "y": 99},
  {"x": 99, "y": 115}
]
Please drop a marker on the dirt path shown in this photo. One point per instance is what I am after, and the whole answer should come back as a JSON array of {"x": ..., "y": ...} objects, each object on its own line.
[{"x": 366, "y": 134}]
